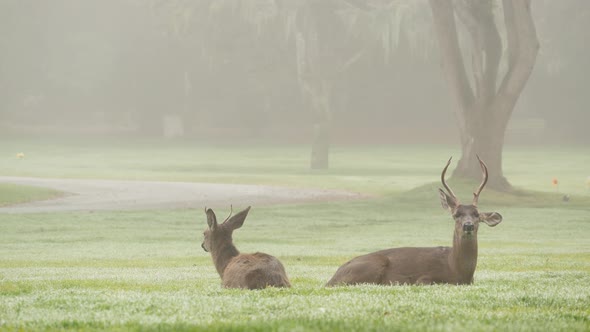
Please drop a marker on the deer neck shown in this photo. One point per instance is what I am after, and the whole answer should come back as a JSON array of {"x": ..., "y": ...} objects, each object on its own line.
[
  {"x": 222, "y": 254},
  {"x": 463, "y": 258}
]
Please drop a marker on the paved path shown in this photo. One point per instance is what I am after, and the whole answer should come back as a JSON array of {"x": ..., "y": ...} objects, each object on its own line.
[{"x": 91, "y": 195}]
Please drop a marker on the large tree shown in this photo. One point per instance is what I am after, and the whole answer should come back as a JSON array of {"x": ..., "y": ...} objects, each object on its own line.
[
  {"x": 313, "y": 34},
  {"x": 313, "y": 26},
  {"x": 322, "y": 32},
  {"x": 485, "y": 95}
]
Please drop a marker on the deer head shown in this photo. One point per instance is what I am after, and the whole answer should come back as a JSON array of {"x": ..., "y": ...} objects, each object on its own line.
[
  {"x": 219, "y": 234},
  {"x": 467, "y": 217}
]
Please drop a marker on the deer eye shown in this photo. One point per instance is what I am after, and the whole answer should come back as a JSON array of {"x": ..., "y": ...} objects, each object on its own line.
[{"x": 458, "y": 215}]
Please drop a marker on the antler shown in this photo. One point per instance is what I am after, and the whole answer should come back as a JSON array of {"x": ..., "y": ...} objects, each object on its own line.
[
  {"x": 484, "y": 169},
  {"x": 231, "y": 211},
  {"x": 442, "y": 178}
]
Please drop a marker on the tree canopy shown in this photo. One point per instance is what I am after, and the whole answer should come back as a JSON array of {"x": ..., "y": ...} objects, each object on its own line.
[{"x": 235, "y": 64}]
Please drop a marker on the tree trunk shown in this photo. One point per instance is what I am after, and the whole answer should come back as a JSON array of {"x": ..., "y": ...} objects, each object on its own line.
[
  {"x": 482, "y": 108},
  {"x": 485, "y": 141},
  {"x": 315, "y": 71},
  {"x": 320, "y": 146}
]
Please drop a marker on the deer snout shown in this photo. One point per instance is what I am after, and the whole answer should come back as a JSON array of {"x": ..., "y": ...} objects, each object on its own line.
[
  {"x": 468, "y": 227},
  {"x": 203, "y": 246}
]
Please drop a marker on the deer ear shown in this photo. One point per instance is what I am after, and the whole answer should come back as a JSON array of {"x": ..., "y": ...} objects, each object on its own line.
[
  {"x": 447, "y": 202},
  {"x": 490, "y": 218},
  {"x": 237, "y": 220},
  {"x": 211, "y": 219}
]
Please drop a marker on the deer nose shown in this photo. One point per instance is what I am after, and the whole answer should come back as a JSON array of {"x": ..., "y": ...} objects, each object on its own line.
[
  {"x": 203, "y": 246},
  {"x": 468, "y": 227}
]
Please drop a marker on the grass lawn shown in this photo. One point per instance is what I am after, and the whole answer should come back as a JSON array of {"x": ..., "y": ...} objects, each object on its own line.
[
  {"x": 145, "y": 270},
  {"x": 14, "y": 194}
]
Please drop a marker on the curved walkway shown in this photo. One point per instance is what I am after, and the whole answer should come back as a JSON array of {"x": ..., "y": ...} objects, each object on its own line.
[{"x": 91, "y": 195}]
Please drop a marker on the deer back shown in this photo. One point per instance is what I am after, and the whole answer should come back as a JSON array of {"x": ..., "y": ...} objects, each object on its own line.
[
  {"x": 250, "y": 271},
  {"x": 255, "y": 271},
  {"x": 406, "y": 265}
]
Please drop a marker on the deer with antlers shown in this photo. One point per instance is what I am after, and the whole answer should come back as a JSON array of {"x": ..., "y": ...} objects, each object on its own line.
[
  {"x": 408, "y": 265},
  {"x": 251, "y": 271}
]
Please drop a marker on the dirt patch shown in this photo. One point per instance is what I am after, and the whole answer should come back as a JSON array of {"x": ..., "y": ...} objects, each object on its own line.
[{"x": 94, "y": 195}]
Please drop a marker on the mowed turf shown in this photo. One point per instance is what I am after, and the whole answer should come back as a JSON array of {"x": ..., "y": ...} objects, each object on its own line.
[
  {"x": 145, "y": 270},
  {"x": 383, "y": 169},
  {"x": 14, "y": 194}
]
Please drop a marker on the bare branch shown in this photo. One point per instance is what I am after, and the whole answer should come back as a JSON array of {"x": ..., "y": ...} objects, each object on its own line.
[
  {"x": 467, "y": 14},
  {"x": 478, "y": 17},
  {"x": 360, "y": 4},
  {"x": 368, "y": 6},
  {"x": 446, "y": 31},
  {"x": 511, "y": 34},
  {"x": 493, "y": 56},
  {"x": 523, "y": 47}
]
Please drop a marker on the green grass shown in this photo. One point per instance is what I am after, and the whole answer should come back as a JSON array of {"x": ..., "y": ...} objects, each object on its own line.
[
  {"x": 14, "y": 194},
  {"x": 145, "y": 270},
  {"x": 377, "y": 170}
]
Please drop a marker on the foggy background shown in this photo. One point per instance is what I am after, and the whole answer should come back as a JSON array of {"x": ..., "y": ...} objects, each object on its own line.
[{"x": 227, "y": 70}]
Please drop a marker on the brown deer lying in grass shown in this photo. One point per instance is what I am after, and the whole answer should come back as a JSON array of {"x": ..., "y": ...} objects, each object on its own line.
[
  {"x": 452, "y": 265},
  {"x": 251, "y": 271}
]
